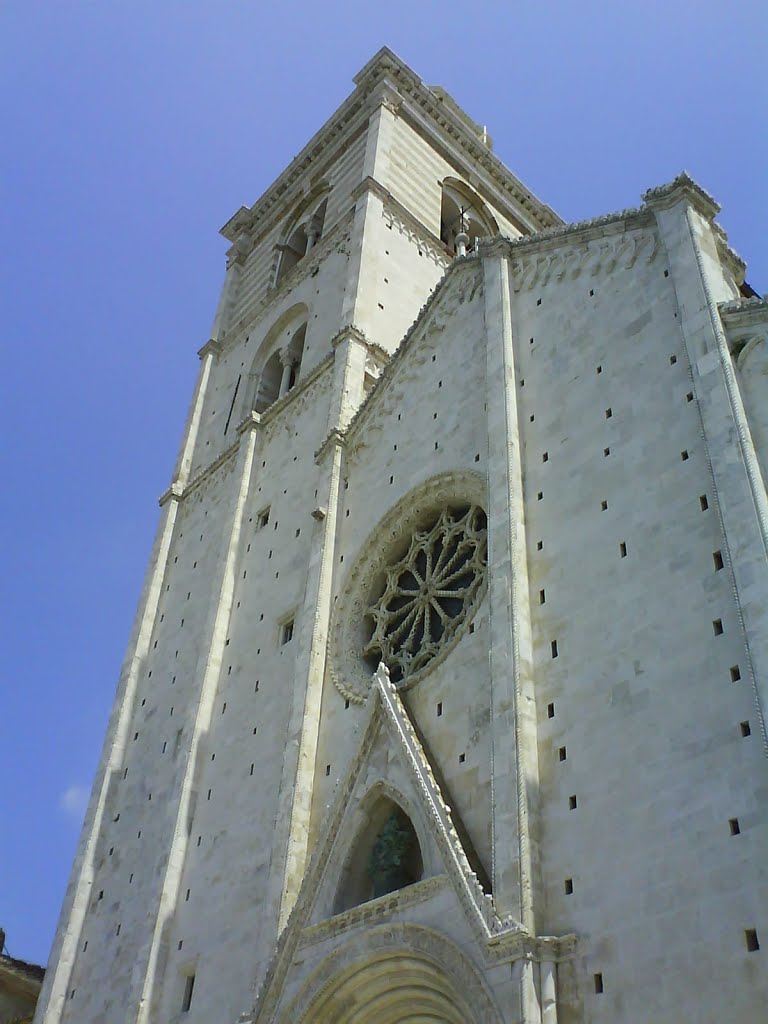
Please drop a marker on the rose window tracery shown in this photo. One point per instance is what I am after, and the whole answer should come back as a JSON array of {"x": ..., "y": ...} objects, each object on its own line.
[{"x": 429, "y": 593}]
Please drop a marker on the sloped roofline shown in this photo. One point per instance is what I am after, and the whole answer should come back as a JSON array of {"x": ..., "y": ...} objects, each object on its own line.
[{"x": 387, "y": 65}]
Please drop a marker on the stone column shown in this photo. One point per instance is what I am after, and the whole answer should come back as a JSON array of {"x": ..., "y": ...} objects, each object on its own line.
[
  {"x": 513, "y": 714},
  {"x": 287, "y": 360}
]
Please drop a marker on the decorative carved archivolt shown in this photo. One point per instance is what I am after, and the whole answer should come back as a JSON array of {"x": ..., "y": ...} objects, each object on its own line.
[
  {"x": 391, "y": 542},
  {"x": 383, "y": 942}
]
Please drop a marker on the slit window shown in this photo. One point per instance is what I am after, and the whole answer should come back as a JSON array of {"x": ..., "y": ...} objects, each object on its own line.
[
  {"x": 189, "y": 987},
  {"x": 750, "y": 937},
  {"x": 286, "y": 632},
  {"x": 717, "y": 558}
]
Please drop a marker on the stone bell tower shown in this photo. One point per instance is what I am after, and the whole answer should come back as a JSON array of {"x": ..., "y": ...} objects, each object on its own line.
[{"x": 439, "y": 697}]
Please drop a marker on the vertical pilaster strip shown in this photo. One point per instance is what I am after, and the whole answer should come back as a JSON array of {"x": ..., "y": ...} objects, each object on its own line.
[
  {"x": 683, "y": 217},
  {"x": 317, "y": 609},
  {"x": 212, "y": 642},
  {"x": 298, "y": 776},
  {"x": 75, "y": 906},
  {"x": 207, "y": 354},
  {"x": 513, "y": 719},
  {"x": 548, "y": 992},
  {"x": 368, "y": 212}
]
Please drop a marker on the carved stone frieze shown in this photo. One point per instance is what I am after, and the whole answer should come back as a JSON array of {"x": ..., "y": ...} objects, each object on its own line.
[{"x": 593, "y": 258}]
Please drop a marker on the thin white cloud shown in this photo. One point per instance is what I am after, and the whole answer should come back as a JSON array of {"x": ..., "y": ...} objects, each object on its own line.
[{"x": 73, "y": 801}]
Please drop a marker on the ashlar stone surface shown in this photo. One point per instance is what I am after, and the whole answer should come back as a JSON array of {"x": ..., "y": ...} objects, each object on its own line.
[{"x": 546, "y": 725}]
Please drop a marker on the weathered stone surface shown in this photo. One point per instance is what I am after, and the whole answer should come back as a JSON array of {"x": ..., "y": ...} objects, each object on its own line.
[{"x": 583, "y": 761}]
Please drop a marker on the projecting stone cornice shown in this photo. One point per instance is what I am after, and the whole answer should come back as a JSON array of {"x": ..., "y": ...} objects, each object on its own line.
[
  {"x": 372, "y": 347},
  {"x": 386, "y": 80},
  {"x": 212, "y": 346},
  {"x": 745, "y": 311},
  {"x": 683, "y": 186}
]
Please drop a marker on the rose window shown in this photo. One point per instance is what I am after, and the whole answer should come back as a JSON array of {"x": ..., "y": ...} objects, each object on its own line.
[{"x": 429, "y": 594}]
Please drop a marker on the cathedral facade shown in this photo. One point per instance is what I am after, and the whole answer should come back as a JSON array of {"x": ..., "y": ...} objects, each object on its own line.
[{"x": 445, "y": 697}]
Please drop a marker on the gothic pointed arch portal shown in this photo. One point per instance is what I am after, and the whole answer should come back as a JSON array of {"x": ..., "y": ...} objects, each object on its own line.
[
  {"x": 394, "y": 974},
  {"x": 399, "y": 988}
]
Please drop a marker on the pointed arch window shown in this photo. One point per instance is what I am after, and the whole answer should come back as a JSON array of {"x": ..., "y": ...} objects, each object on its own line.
[{"x": 386, "y": 857}]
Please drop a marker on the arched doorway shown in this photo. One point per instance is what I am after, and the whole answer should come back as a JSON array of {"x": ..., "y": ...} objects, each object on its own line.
[
  {"x": 393, "y": 974},
  {"x": 399, "y": 988}
]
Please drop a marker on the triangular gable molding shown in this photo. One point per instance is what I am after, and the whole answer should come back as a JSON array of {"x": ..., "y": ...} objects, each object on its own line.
[{"x": 386, "y": 708}]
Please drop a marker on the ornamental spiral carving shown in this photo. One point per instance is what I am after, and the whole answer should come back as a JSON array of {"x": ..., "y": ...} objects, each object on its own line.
[{"x": 429, "y": 593}]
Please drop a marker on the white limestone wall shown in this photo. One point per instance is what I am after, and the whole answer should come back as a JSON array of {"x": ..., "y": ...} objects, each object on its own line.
[
  {"x": 133, "y": 845},
  {"x": 220, "y": 924},
  {"x": 433, "y": 396},
  {"x": 640, "y": 720},
  {"x": 416, "y": 170}
]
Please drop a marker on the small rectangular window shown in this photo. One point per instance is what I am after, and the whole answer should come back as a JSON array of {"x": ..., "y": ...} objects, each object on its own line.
[
  {"x": 745, "y": 729},
  {"x": 189, "y": 986},
  {"x": 623, "y": 549},
  {"x": 598, "y": 983},
  {"x": 542, "y": 597},
  {"x": 550, "y": 710},
  {"x": 262, "y": 518},
  {"x": 735, "y": 673},
  {"x": 733, "y": 825},
  {"x": 608, "y": 413},
  {"x": 553, "y": 646},
  {"x": 572, "y": 803},
  {"x": 703, "y": 502},
  {"x": 717, "y": 626},
  {"x": 568, "y": 885},
  {"x": 562, "y": 754},
  {"x": 750, "y": 936},
  {"x": 717, "y": 558},
  {"x": 439, "y": 709},
  {"x": 286, "y": 632}
]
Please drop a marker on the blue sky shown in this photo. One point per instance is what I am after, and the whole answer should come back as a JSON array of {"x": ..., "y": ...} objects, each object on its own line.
[{"x": 132, "y": 130}]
